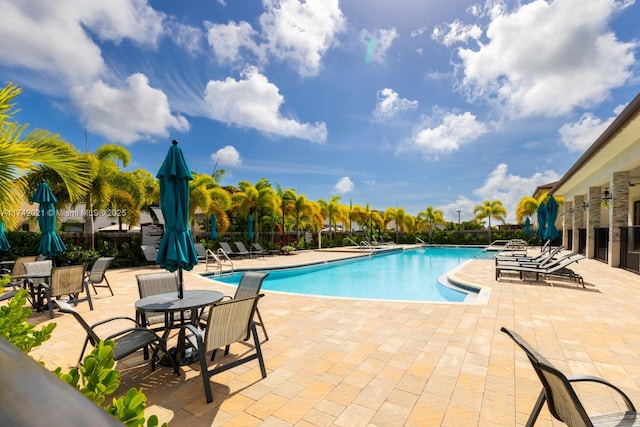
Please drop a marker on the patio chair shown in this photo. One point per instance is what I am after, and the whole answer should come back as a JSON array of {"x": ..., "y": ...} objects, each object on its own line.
[
  {"x": 257, "y": 249},
  {"x": 65, "y": 281},
  {"x": 154, "y": 284},
  {"x": 201, "y": 251},
  {"x": 150, "y": 253},
  {"x": 96, "y": 276},
  {"x": 250, "y": 285},
  {"x": 555, "y": 267},
  {"x": 242, "y": 249},
  {"x": 224, "y": 246},
  {"x": 16, "y": 281},
  {"x": 541, "y": 259},
  {"x": 228, "y": 322},
  {"x": 562, "y": 400},
  {"x": 126, "y": 341}
]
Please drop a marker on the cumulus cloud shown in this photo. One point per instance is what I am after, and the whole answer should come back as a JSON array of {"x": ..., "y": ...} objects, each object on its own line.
[
  {"x": 545, "y": 59},
  {"x": 51, "y": 38},
  {"x": 383, "y": 39},
  {"x": 127, "y": 114},
  {"x": 254, "y": 102},
  {"x": 510, "y": 189},
  {"x": 300, "y": 32},
  {"x": 456, "y": 32},
  {"x": 344, "y": 185},
  {"x": 229, "y": 40},
  {"x": 579, "y": 136},
  {"x": 227, "y": 156},
  {"x": 389, "y": 104},
  {"x": 452, "y": 131}
]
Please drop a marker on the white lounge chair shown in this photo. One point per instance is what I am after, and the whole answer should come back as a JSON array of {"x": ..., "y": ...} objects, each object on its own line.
[{"x": 557, "y": 267}]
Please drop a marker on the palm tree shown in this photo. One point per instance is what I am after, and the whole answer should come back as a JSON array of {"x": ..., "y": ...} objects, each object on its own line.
[
  {"x": 403, "y": 220},
  {"x": 429, "y": 218},
  {"x": 490, "y": 209},
  {"x": 333, "y": 211},
  {"x": 253, "y": 199},
  {"x": 526, "y": 207},
  {"x": 111, "y": 187},
  {"x": 24, "y": 153}
]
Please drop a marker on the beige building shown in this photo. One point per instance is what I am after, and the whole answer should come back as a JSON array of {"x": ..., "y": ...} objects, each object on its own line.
[{"x": 601, "y": 211}]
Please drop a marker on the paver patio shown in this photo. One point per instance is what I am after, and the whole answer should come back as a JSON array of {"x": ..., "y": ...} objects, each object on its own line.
[{"x": 347, "y": 362}]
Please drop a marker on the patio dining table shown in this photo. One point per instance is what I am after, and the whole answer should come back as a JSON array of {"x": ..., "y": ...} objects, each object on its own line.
[{"x": 193, "y": 301}]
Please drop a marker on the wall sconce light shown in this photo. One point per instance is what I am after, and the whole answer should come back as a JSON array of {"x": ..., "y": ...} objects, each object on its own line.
[
  {"x": 584, "y": 206},
  {"x": 570, "y": 211},
  {"x": 606, "y": 197}
]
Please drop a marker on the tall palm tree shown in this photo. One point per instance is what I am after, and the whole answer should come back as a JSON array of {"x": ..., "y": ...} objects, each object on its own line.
[
  {"x": 111, "y": 187},
  {"x": 23, "y": 153},
  {"x": 334, "y": 212},
  {"x": 429, "y": 218},
  {"x": 490, "y": 209},
  {"x": 526, "y": 207},
  {"x": 402, "y": 219},
  {"x": 254, "y": 199}
]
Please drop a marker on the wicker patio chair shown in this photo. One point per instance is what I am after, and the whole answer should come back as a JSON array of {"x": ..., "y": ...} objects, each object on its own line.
[
  {"x": 563, "y": 401},
  {"x": 228, "y": 322}
]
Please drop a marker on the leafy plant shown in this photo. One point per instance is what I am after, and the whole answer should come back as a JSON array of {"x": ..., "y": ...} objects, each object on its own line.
[
  {"x": 15, "y": 329},
  {"x": 96, "y": 379}
]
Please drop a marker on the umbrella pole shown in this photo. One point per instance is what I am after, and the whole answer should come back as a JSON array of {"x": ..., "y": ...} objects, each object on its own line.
[{"x": 180, "y": 284}]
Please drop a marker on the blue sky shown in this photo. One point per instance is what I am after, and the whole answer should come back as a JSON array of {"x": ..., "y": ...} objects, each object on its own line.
[{"x": 404, "y": 103}]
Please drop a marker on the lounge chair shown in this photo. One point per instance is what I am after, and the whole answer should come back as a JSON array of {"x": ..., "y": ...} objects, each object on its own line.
[
  {"x": 563, "y": 401},
  {"x": 242, "y": 249},
  {"x": 224, "y": 246},
  {"x": 201, "y": 251},
  {"x": 126, "y": 341},
  {"x": 96, "y": 276},
  {"x": 150, "y": 253},
  {"x": 256, "y": 249},
  {"x": 540, "y": 259},
  {"x": 228, "y": 322},
  {"x": 556, "y": 267}
]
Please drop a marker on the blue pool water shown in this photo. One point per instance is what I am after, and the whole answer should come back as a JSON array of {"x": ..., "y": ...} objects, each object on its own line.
[{"x": 409, "y": 276}]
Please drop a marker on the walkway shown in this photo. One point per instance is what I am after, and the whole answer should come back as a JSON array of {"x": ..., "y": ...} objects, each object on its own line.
[{"x": 341, "y": 362}]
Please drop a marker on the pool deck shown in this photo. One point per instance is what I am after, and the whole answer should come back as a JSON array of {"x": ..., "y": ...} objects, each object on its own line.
[{"x": 349, "y": 362}]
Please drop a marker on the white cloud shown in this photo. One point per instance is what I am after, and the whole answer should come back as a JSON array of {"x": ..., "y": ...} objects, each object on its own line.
[
  {"x": 546, "y": 58},
  {"x": 255, "y": 103},
  {"x": 127, "y": 114},
  {"x": 344, "y": 185},
  {"x": 227, "y": 156},
  {"x": 185, "y": 36},
  {"x": 452, "y": 131},
  {"x": 383, "y": 40},
  {"x": 227, "y": 40},
  {"x": 389, "y": 104},
  {"x": 456, "y": 32},
  {"x": 300, "y": 32},
  {"x": 510, "y": 189},
  {"x": 579, "y": 136},
  {"x": 53, "y": 40}
]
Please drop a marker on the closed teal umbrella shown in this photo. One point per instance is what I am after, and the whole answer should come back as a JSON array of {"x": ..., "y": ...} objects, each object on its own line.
[
  {"x": 542, "y": 221},
  {"x": 250, "y": 234},
  {"x": 213, "y": 223},
  {"x": 176, "y": 251},
  {"x": 552, "y": 213},
  {"x": 4, "y": 243},
  {"x": 50, "y": 242},
  {"x": 527, "y": 227}
]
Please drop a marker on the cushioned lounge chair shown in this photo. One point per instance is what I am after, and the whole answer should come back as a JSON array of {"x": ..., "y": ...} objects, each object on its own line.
[
  {"x": 563, "y": 401},
  {"x": 555, "y": 267},
  {"x": 228, "y": 322}
]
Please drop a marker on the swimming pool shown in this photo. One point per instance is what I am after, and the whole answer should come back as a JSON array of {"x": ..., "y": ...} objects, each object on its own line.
[{"x": 411, "y": 275}]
